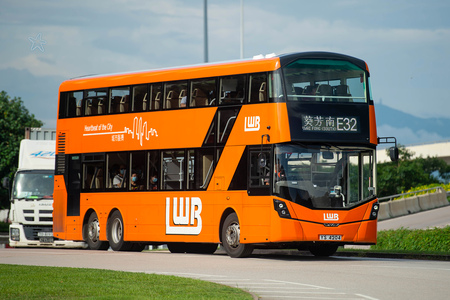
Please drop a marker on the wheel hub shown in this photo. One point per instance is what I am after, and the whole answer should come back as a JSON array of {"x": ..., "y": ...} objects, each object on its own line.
[
  {"x": 233, "y": 235},
  {"x": 117, "y": 231},
  {"x": 94, "y": 231}
]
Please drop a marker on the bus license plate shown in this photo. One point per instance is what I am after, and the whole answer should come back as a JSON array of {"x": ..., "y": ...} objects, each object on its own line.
[
  {"x": 46, "y": 239},
  {"x": 329, "y": 237}
]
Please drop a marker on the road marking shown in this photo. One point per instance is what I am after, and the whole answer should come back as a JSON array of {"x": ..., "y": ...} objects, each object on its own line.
[
  {"x": 296, "y": 283},
  {"x": 276, "y": 289}
]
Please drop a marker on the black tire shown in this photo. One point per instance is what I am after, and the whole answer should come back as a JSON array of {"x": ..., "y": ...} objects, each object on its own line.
[
  {"x": 230, "y": 235},
  {"x": 177, "y": 247},
  {"x": 201, "y": 248},
  {"x": 137, "y": 247},
  {"x": 91, "y": 234},
  {"x": 116, "y": 233},
  {"x": 323, "y": 250}
]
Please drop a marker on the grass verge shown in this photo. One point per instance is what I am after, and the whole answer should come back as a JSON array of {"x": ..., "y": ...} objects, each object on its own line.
[
  {"x": 428, "y": 241},
  {"x": 33, "y": 282}
]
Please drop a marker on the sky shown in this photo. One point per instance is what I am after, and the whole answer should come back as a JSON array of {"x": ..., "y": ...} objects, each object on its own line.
[{"x": 406, "y": 43}]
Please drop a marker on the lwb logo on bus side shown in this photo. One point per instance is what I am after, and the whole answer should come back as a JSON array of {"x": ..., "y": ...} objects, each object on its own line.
[
  {"x": 252, "y": 123},
  {"x": 330, "y": 217},
  {"x": 185, "y": 211}
]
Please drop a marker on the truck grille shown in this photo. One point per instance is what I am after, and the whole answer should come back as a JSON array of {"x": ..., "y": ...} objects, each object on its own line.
[{"x": 31, "y": 232}]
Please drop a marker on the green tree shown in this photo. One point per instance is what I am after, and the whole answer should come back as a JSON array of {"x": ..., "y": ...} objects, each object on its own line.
[
  {"x": 397, "y": 177},
  {"x": 13, "y": 120}
]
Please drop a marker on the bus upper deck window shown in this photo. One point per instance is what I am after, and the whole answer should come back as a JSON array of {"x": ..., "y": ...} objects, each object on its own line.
[
  {"x": 175, "y": 95},
  {"x": 140, "y": 98},
  {"x": 232, "y": 90},
  {"x": 119, "y": 100},
  {"x": 203, "y": 93},
  {"x": 258, "y": 88},
  {"x": 314, "y": 80}
]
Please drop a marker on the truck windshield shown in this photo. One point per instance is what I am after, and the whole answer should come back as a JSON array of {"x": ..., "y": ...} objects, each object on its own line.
[
  {"x": 324, "y": 177},
  {"x": 314, "y": 80},
  {"x": 28, "y": 185}
]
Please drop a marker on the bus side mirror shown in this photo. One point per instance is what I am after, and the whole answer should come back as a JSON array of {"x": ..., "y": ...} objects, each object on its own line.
[
  {"x": 5, "y": 182},
  {"x": 328, "y": 155},
  {"x": 262, "y": 160},
  {"x": 393, "y": 153}
]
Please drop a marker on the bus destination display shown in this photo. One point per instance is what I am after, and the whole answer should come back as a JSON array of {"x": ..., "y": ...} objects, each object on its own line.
[{"x": 317, "y": 123}]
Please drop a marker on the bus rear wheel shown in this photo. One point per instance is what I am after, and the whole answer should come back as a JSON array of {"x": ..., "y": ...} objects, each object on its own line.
[
  {"x": 91, "y": 234},
  {"x": 116, "y": 233},
  {"x": 323, "y": 250},
  {"x": 230, "y": 235}
]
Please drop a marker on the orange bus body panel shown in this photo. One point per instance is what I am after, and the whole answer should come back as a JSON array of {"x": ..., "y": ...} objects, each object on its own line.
[
  {"x": 139, "y": 131},
  {"x": 147, "y": 217},
  {"x": 271, "y": 119},
  {"x": 59, "y": 207}
]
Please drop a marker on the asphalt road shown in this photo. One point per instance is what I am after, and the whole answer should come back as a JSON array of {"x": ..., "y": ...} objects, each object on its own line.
[
  {"x": 276, "y": 276},
  {"x": 268, "y": 276},
  {"x": 438, "y": 217}
]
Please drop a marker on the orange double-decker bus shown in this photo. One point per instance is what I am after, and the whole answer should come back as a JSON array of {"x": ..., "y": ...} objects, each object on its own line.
[{"x": 274, "y": 152}]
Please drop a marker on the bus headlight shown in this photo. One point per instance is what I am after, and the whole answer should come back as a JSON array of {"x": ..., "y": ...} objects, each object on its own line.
[
  {"x": 375, "y": 210},
  {"x": 281, "y": 208},
  {"x": 14, "y": 234}
]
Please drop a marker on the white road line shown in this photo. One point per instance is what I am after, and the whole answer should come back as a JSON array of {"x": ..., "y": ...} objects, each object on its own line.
[{"x": 302, "y": 284}]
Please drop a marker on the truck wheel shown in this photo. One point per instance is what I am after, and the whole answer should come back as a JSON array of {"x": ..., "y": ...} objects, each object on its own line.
[
  {"x": 91, "y": 234},
  {"x": 230, "y": 235},
  {"x": 116, "y": 232}
]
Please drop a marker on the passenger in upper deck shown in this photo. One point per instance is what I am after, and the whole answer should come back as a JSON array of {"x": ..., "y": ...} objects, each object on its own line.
[
  {"x": 310, "y": 90},
  {"x": 183, "y": 101}
]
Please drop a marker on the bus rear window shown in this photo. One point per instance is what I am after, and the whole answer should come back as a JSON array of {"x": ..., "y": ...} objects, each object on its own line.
[{"x": 312, "y": 80}]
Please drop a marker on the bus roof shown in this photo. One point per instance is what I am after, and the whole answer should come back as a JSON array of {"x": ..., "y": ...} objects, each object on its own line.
[
  {"x": 199, "y": 71},
  {"x": 289, "y": 58},
  {"x": 173, "y": 74}
]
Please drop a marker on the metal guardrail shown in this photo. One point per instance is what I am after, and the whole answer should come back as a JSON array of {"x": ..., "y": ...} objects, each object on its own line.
[{"x": 390, "y": 198}]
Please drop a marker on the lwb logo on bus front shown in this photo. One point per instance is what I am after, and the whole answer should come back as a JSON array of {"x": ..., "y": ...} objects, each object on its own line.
[
  {"x": 330, "y": 217},
  {"x": 252, "y": 123},
  {"x": 185, "y": 215}
]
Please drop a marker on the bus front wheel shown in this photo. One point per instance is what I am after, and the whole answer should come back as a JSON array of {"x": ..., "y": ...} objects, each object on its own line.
[
  {"x": 91, "y": 234},
  {"x": 115, "y": 233},
  {"x": 231, "y": 232}
]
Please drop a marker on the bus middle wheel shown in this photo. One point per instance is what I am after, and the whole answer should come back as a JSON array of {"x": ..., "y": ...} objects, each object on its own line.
[{"x": 116, "y": 233}]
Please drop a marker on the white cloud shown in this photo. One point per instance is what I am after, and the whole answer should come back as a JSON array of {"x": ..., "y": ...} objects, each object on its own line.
[{"x": 406, "y": 136}]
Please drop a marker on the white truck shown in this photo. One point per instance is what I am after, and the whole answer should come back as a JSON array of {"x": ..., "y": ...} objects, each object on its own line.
[{"x": 31, "y": 212}]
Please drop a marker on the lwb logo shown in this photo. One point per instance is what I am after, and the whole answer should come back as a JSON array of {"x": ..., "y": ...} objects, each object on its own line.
[
  {"x": 252, "y": 123},
  {"x": 330, "y": 217},
  {"x": 185, "y": 216}
]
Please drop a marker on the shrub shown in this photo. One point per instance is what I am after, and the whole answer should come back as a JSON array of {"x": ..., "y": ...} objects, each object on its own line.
[{"x": 425, "y": 241}]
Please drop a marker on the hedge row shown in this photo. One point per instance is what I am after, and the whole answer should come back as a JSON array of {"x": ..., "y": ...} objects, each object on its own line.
[{"x": 424, "y": 187}]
